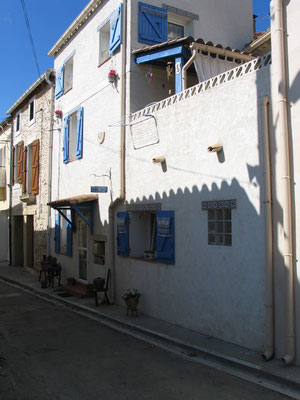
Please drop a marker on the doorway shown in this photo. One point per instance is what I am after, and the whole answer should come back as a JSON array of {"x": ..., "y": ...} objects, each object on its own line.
[
  {"x": 29, "y": 240},
  {"x": 82, "y": 248},
  {"x": 17, "y": 245}
]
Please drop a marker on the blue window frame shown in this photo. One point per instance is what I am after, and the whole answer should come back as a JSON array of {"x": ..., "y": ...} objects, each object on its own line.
[{"x": 73, "y": 136}]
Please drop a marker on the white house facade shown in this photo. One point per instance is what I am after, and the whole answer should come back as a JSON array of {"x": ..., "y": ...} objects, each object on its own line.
[
  {"x": 5, "y": 137},
  {"x": 98, "y": 84},
  {"x": 165, "y": 168}
]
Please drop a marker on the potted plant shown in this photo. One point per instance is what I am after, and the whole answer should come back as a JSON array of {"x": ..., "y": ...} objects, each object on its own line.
[{"x": 131, "y": 298}]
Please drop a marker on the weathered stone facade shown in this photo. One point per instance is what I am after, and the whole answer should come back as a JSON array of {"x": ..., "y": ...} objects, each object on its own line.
[{"x": 32, "y": 207}]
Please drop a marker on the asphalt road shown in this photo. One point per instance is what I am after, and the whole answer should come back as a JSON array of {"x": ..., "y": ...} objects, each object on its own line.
[{"x": 48, "y": 352}]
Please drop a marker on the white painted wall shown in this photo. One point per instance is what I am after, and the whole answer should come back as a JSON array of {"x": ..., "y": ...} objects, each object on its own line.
[
  {"x": 293, "y": 15},
  {"x": 229, "y": 23},
  {"x": 101, "y": 102},
  {"x": 215, "y": 290},
  {"x": 292, "y": 21}
]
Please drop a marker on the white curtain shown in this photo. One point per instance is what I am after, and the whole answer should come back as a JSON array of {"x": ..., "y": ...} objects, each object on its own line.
[{"x": 207, "y": 66}]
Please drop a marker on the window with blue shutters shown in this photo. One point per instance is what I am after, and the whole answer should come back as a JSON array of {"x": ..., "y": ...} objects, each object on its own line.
[
  {"x": 66, "y": 139},
  {"x": 165, "y": 237},
  {"x": 115, "y": 38},
  {"x": 59, "y": 82},
  {"x": 79, "y": 133},
  {"x": 64, "y": 77},
  {"x": 123, "y": 234},
  {"x": 73, "y": 136},
  {"x": 152, "y": 236},
  {"x": 152, "y": 24}
]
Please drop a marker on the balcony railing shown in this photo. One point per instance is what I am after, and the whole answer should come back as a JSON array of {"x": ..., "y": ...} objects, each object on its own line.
[{"x": 235, "y": 73}]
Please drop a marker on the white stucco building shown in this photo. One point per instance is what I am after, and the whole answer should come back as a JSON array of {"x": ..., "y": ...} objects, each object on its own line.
[
  {"x": 98, "y": 84},
  {"x": 5, "y": 137},
  {"x": 175, "y": 198}
]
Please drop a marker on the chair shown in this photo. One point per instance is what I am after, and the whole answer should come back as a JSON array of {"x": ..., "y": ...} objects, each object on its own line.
[{"x": 102, "y": 287}]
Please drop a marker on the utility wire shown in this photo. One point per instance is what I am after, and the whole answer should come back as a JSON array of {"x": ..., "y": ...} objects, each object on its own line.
[
  {"x": 263, "y": 18},
  {"x": 30, "y": 36}
]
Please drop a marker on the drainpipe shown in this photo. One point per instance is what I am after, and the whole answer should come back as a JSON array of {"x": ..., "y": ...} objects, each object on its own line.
[
  {"x": 50, "y": 148},
  {"x": 267, "y": 204},
  {"x": 287, "y": 238},
  {"x": 121, "y": 197},
  {"x": 185, "y": 68},
  {"x": 10, "y": 197}
]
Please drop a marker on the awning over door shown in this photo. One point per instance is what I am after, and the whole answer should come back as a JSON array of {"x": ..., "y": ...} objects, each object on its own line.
[{"x": 79, "y": 204}]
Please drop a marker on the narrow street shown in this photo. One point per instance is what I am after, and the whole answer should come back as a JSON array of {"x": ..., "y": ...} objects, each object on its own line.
[{"x": 49, "y": 352}]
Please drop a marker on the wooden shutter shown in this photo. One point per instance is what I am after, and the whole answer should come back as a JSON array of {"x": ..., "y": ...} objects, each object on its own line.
[
  {"x": 69, "y": 234},
  {"x": 165, "y": 237},
  {"x": 79, "y": 133},
  {"x": 24, "y": 169},
  {"x": 115, "y": 37},
  {"x": 123, "y": 234},
  {"x": 152, "y": 24},
  {"x": 66, "y": 140},
  {"x": 12, "y": 166},
  {"x": 59, "y": 82},
  {"x": 35, "y": 166},
  {"x": 20, "y": 146},
  {"x": 57, "y": 232}
]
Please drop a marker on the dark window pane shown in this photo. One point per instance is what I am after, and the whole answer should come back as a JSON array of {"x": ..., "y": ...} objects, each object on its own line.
[
  {"x": 211, "y": 239},
  {"x": 227, "y": 240}
]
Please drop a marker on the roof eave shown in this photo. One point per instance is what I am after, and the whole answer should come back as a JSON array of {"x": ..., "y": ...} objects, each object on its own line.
[
  {"x": 258, "y": 42},
  {"x": 75, "y": 26}
]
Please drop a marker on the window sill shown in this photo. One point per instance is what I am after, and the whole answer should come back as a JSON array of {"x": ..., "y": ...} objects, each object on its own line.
[
  {"x": 153, "y": 261},
  {"x": 28, "y": 198},
  {"x": 67, "y": 90},
  {"x": 103, "y": 62}
]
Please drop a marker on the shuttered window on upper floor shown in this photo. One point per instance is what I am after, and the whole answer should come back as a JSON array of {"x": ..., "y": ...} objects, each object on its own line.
[
  {"x": 152, "y": 24},
  {"x": 26, "y": 159},
  {"x": 64, "y": 77},
  {"x": 110, "y": 35},
  {"x": 73, "y": 136}
]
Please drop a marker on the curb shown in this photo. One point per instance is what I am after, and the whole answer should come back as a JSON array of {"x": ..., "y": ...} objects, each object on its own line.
[{"x": 234, "y": 366}]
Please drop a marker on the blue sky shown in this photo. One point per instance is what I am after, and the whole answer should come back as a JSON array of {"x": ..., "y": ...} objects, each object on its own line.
[{"x": 48, "y": 20}]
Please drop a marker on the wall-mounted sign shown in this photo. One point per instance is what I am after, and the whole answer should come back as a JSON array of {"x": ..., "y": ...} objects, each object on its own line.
[
  {"x": 99, "y": 189},
  {"x": 144, "y": 207},
  {"x": 178, "y": 68},
  {"x": 218, "y": 204}
]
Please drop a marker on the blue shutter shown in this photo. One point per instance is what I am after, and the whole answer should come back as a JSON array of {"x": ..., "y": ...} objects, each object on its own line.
[
  {"x": 66, "y": 140},
  {"x": 152, "y": 24},
  {"x": 69, "y": 234},
  {"x": 165, "y": 237},
  {"x": 79, "y": 133},
  {"x": 115, "y": 36},
  {"x": 57, "y": 232},
  {"x": 59, "y": 82},
  {"x": 123, "y": 234}
]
